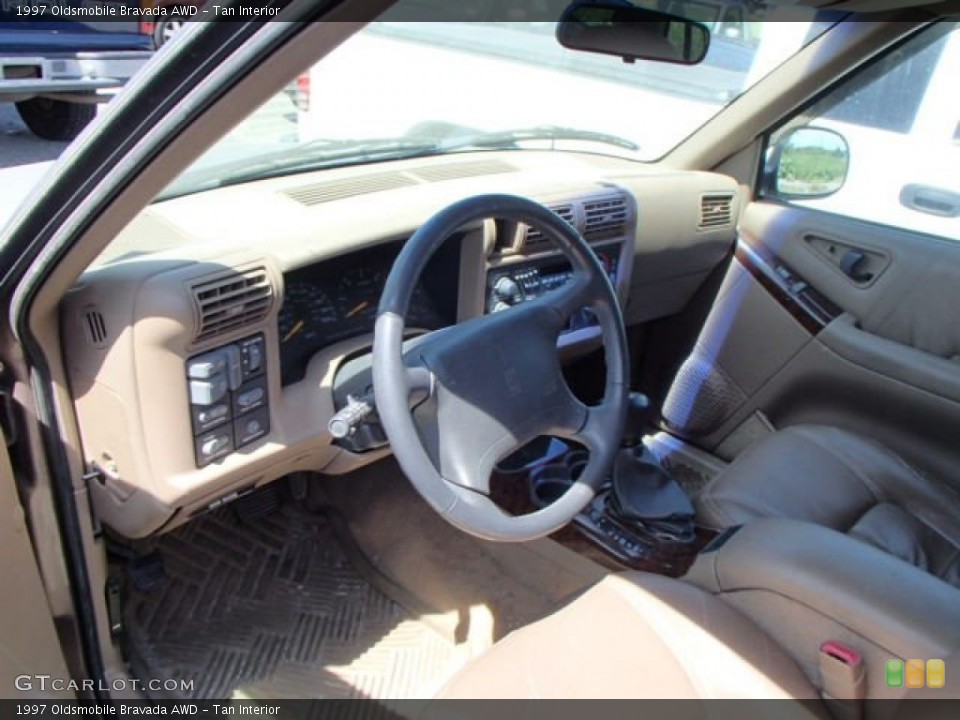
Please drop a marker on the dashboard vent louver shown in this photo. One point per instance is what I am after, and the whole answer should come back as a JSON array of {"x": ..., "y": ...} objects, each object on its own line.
[
  {"x": 232, "y": 301},
  {"x": 318, "y": 193},
  {"x": 95, "y": 326},
  {"x": 605, "y": 218},
  {"x": 534, "y": 237},
  {"x": 716, "y": 211}
]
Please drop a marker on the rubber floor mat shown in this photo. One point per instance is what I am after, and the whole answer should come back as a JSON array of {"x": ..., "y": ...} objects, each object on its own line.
[{"x": 274, "y": 609}]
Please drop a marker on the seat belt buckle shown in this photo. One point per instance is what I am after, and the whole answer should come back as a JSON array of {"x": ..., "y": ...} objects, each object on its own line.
[{"x": 843, "y": 676}]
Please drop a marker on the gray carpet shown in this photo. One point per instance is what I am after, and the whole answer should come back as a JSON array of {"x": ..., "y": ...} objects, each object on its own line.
[{"x": 273, "y": 608}]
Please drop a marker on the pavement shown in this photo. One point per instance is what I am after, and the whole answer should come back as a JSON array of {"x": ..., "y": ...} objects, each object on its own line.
[{"x": 18, "y": 146}]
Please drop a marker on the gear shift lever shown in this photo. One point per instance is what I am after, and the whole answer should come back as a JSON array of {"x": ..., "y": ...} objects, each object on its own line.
[{"x": 640, "y": 414}]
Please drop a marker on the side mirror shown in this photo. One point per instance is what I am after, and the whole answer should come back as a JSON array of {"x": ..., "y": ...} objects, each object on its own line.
[
  {"x": 808, "y": 163},
  {"x": 632, "y": 33}
]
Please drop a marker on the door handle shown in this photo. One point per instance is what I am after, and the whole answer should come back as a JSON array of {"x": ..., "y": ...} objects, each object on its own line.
[
  {"x": 850, "y": 265},
  {"x": 930, "y": 200}
]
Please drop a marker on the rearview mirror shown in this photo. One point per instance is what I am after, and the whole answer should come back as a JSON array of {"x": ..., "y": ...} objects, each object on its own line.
[
  {"x": 633, "y": 33},
  {"x": 809, "y": 163}
]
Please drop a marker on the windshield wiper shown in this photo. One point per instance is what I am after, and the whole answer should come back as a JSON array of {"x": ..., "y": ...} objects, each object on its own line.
[{"x": 511, "y": 138}]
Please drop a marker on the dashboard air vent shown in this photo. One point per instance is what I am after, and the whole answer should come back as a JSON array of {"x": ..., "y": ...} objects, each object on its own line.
[
  {"x": 325, "y": 192},
  {"x": 454, "y": 171},
  {"x": 605, "y": 218},
  {"x": 716, "y": 211},
  {"x": 231, "y": 301},
  {"x": 534, "y": 237}
]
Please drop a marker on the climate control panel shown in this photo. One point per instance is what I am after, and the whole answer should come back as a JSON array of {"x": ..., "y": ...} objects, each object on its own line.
[
  {"x": 229, "y": 403},
  {"x": 517, "y": 283}
]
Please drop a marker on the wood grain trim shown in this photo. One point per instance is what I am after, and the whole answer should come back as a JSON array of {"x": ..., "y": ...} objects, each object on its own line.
[{"x": 807, "y": 306}]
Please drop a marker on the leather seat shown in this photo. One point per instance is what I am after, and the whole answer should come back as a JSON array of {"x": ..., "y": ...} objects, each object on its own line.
[
  {"x": 835, "y": 478},
  {"x": 639, "y": 636}
]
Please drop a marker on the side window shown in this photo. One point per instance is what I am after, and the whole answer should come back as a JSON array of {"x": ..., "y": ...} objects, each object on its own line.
[{"x": 884, "y": 146}]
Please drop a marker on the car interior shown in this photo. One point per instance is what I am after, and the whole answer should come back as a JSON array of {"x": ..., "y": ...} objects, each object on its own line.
[{"x": 504, "y": 423}]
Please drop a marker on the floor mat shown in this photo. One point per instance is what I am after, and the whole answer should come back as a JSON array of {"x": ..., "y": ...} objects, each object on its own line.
[{"x": 273, "y": 608}]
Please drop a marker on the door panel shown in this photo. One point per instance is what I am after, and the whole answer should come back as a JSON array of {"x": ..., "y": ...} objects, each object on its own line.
[
  {"x": 913, "y": 295},
  {"x": 28, "y": 641},
  {"x": 880, "y": 357}
]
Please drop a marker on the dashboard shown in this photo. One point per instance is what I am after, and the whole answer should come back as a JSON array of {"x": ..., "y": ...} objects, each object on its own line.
[{"x": 209, "y": 348}]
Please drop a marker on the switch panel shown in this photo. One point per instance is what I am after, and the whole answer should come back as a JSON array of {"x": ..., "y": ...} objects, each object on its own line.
[{"x": 229, "y": 402}]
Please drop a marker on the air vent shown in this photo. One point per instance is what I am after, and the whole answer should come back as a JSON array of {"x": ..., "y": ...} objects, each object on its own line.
[
  {"x": 534, "y": 237},
  {"x": 605, "y": 218},
  {"x": 716, "y": 211},
  {"x": 325, "y": 192},
  {"x": 454, "y": 171},
  {"x": 232, "y": 302},
  {"x": 95, "y": 327}
]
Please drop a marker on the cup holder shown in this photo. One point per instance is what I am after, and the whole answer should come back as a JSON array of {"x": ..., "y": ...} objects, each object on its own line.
[
  {"x": 550, "y": 482},
  {"x": 575, "y": 462}
]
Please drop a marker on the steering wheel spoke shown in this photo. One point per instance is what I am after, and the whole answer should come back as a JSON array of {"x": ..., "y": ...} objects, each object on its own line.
[
  {"x": 575, "y": 295},
  {"x": 589, "y": 431},
  {"x": 420, "y": 384}
]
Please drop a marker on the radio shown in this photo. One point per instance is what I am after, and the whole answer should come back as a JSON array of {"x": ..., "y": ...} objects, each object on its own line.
[{"x": 515, "y": 284}]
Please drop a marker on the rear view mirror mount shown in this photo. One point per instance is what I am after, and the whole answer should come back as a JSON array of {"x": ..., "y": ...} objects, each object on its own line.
[{"x": 632, "y": 33}]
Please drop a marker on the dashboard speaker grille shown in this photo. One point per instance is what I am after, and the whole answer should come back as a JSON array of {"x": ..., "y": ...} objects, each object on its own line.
[
  {"x": 232, "y": 301},
  {"x": 605, "y": 218},
  {"x": 534, "y": 237},
  {"x": 716, "y": 211}
]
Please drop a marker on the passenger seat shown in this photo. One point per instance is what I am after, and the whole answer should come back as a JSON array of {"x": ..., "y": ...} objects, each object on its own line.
[{"x": 835, "y": 478}]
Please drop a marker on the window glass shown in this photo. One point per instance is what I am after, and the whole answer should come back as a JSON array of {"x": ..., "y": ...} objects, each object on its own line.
[
  {"x": 403, "y": 86},
  {"x": 899, "y": 118}
]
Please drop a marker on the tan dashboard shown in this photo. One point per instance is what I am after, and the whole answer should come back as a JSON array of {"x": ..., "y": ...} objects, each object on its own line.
[{"x": 203, "y": 346}]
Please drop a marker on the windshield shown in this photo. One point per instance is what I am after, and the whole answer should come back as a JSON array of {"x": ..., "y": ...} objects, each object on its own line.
[{"x": 401, "y": 89}]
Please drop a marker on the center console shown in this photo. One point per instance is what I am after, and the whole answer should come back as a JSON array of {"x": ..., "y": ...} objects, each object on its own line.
[
  {"x": 519, "y": 282},
  {"x": 807, "y": 585}
]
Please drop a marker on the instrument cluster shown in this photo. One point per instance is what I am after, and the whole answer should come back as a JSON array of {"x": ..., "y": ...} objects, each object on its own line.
[{"x": 337, "y": 299}]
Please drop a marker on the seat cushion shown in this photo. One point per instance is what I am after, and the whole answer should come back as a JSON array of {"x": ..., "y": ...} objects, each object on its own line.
[
  {"x": 637, "y": 636},
  {"x": 835, "y": 478}
]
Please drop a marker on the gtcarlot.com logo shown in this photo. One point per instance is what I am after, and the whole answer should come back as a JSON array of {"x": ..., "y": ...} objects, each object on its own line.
[{"x": 43, "y": 683}]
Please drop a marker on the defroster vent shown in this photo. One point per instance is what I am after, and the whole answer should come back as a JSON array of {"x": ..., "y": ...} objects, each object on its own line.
[{"x": 95, "y": 326}]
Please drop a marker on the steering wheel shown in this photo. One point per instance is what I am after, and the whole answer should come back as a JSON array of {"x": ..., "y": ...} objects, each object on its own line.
[{"x": 494, "y": 382}]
